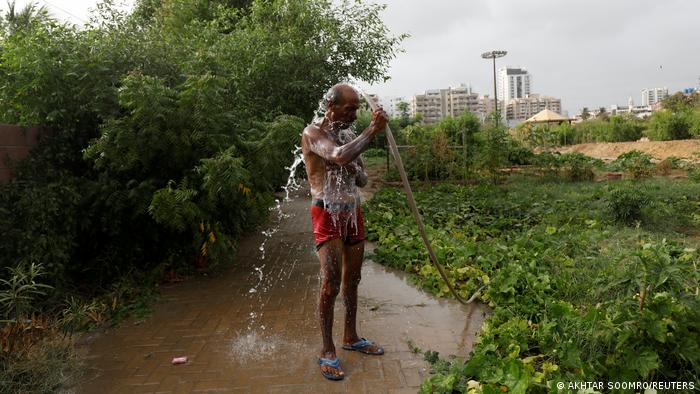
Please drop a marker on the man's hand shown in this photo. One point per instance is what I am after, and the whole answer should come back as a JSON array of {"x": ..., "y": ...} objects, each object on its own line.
[{"x": 379, "y": 120}]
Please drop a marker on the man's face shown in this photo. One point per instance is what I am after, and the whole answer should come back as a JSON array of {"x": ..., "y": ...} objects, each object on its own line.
[{"x": 345, "y": 111}]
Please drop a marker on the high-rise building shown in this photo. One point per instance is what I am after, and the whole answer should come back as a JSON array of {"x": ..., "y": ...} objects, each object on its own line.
[
  {"x": 437, "y": 104},
  {"x": 653, "y": 96},
  {"x": 513, "y": 83}
]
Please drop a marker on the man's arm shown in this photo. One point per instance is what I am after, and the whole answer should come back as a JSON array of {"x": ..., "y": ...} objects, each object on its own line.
[
  {"x": 361, "y": 177},
  {"x": 320, "y": 144}
]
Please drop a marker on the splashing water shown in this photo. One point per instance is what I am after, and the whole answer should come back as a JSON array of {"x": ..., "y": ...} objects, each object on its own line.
[{"x": 292, "y": 183}]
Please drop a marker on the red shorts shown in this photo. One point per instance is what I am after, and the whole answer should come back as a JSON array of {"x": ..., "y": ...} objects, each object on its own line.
[{"x": 337, "y": 225}]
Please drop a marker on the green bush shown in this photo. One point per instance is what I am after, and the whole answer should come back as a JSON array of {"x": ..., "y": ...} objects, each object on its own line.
[
  {"x": 694, "y": 174},
  {"x": 666, "y": 126},
  {"x": 578, "y": 167},
  {"x": 624, "y": 128},
  {"x": 433, "y": 156},
  {"x": 637, "y": 164},
  {"x": 519, "y": 154},
  {"x": 374, "y": 152},
  {"x": 625, "y": 203}
]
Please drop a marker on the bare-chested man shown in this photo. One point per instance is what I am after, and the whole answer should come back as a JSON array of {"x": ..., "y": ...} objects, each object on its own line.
[{"x": 335, "y": 170}]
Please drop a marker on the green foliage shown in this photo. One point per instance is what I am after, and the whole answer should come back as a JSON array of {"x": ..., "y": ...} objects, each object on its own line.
[
  {"x": 575, "y": 296},
  {"x": 493, "y": 154},
  {"x": 680, "y": 102},
  {"x": 578, "y": 167},
  {"x": 625, "y": 203},
  {"x": 165, "y": 129},
  {"x": 694, "y": 174},
  {"x": 617, "y": 128},
  {"x": 19, "y": 293},
  {"x": 624, "y": 128},
  {"x": 666, "y": 125},
  {"x": 433, "y": 154},
  {"x": 636, "y": 163},
  {"x": 374, "y": 152},
  {"x": 572, "y": 166}
]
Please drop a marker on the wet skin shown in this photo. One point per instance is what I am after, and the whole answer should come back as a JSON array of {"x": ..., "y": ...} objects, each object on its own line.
[{"x": 341, "y": 263}]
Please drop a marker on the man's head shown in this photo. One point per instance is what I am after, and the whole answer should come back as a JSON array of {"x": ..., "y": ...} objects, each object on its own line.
[{"x": 342, "y": 102}]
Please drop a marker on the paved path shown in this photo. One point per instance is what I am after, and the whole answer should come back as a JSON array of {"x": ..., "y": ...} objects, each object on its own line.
[{"x": 255, "y": 328}]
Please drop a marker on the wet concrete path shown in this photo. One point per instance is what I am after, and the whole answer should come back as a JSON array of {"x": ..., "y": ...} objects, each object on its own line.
[{"x": 255, "y": 327}]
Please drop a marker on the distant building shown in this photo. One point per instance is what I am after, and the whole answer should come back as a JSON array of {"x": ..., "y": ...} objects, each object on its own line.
[
  {"x": 437, "y": 104},
  {"x": 640, "y": 111},
  {"x": 513, "y": 83},
  {"x": 429, "y": 105},
  {"x": 653, "y": 96},
  {"x": 391, "y": 105},
  {"x": 519, "y": 109}
]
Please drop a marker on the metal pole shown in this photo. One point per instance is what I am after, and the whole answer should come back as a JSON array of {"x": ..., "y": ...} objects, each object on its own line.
[
  {"x": 464, "y": 146},
  {"x": 495, "y": 92},
  {"x": 493, "y": 55}
]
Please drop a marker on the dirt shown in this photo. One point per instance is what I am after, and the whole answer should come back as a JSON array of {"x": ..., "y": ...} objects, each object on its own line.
[{"x": 684, "y": 149}]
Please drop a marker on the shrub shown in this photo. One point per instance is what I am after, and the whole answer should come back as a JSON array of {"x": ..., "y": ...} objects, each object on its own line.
[
  {"x": 374, "y": 152},
  {"x": 637, "y": 164},
  {"x": 625, "y": 204},
  {"x": 578, "y": 167},
  {"x": 518, "y": 154},
  {"x": 666, "y": 125},
  {"x": 694, "y": 174},
  {"x": 20, "y": 292}
]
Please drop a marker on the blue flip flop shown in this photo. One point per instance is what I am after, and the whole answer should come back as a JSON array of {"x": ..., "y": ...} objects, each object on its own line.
[
  {"x": 335, "y": 364},
  {"x": 361, "y": 346}
]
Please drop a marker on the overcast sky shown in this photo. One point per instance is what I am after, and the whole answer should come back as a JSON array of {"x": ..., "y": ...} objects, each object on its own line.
[{"x": 587, "y": 52}]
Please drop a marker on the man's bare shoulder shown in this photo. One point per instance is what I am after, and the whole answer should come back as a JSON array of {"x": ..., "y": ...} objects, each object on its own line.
[{"x": 312, "y": 131}]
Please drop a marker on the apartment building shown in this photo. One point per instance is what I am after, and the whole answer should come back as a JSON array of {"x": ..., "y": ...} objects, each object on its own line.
[
  {"x": 519, "y": 109},
  {"x": 437, "y": 104},
  {"x": 391, "y": 105},
  {"x": 513, "y": 83},
  {"x": 653, "y": 96}
]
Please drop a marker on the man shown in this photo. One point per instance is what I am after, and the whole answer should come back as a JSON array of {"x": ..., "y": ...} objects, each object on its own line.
[{"x": 334, "y": 168}]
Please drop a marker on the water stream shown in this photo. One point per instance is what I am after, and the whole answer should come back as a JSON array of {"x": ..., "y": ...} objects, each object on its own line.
[{"x": 255, "y": 343}]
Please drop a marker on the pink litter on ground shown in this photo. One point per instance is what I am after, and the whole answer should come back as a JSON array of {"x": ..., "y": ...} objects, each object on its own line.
[{"x": 179, "y": 360}]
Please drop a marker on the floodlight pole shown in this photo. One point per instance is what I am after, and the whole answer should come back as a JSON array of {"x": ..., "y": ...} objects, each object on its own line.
[{"x": 493, "y": 55}]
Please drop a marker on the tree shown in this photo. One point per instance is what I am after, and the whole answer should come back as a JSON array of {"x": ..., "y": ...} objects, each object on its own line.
[
  {"x": 665, "y": 125},
  {"x": 602, "y": 114},
  {"x": 14, "y": 21},
  {"x": 680, "y": 102},
  {"x": 585, "y": 114}
]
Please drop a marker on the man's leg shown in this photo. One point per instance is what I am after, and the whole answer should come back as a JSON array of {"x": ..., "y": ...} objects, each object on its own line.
[
  {"x": 330, "y": 256},
  {"x": 353, "y": 255}
]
